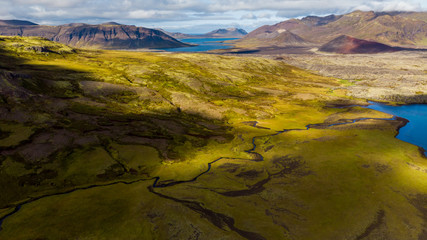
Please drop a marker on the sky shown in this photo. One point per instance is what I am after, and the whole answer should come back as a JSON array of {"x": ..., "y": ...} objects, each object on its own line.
[{"x": 189, "y": 16}]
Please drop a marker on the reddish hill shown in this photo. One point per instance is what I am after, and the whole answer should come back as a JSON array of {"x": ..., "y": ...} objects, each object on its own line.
[
  {"x": 392, "y": 28},
  {"x": 349, "y": 45}
]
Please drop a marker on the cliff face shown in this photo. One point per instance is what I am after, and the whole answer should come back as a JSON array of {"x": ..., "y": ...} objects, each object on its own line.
[{"x": 104, "y": 36}]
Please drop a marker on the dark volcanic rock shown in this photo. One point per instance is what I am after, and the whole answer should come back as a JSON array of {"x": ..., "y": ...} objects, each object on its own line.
[
  {"x": 347, "y": 45},
  {"x": 106, "y": 36}
]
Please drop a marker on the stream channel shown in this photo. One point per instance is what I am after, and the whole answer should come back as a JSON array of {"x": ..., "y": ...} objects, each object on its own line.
[{"x": 414, "y": 132}]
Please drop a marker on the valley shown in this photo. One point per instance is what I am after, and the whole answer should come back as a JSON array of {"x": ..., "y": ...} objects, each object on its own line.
[
  {"x": 292, "y": 131},
  {"x": 240, "y": 147}
]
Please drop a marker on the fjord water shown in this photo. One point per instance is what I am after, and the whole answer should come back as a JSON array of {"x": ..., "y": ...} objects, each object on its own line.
[
  {"x": 415, "y": 131},
  {"x": 203, "y": 45}
]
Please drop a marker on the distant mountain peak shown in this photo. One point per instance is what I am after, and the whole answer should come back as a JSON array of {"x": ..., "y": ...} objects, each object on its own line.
[
  {"x": 111, "y": 24},
  {"x": 16, "y": 23},
  {"x": 227, "y": 32}
]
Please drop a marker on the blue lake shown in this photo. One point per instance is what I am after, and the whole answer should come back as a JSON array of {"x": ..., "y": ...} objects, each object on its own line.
[
  {"x": 415, "y": 131},
  {"x": 204, "y": 44}
]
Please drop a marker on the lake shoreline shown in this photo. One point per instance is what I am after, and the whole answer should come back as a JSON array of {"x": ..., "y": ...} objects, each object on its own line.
[
  {"x": 414, "y": 120},
  {"x": 205, "y": 45}
]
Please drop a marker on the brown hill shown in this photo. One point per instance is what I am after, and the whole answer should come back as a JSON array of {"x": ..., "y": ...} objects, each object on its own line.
[
  {"x": 392, "y": 28},
  {"x": 105, "y": 36},
  {"x": 268, "y": 36},
  {"x": 349, "y": 45}
]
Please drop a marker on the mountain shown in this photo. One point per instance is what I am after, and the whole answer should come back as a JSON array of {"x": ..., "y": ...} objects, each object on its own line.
[
  {"x": 226, "y": 33},
  {"x": 218, "y": 33},
  {"x": 392, "y": 28},
  {"x": 276, "y": 37},
  {"x": 16, "y": 23},
  {"x": 349, "y": 45},
  {"x": 109, "y": 35}
]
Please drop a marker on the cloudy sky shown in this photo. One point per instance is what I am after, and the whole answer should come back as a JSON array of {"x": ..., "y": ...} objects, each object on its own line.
[{"x": 189, "y": 16}]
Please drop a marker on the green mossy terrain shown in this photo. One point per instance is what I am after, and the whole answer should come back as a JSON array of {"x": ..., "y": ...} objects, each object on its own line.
[{"x": 131, "y": 145}]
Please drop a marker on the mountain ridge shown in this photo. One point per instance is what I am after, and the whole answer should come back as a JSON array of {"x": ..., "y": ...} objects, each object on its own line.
[
  {"x": 108, "y": 35},
  {"x": 391, "y": 28},
  {"x": 16, "y": 23}
]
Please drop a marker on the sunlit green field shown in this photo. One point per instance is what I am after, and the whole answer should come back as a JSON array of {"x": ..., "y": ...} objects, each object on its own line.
[{"x": 133, "y": 145}]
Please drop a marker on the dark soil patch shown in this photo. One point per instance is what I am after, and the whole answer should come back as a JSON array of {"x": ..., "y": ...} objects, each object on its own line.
[
  {"x": 229, "y": 167},
  {"x": 35, "y": 179},
  {"x": 251, "y": 174},
  {"x": 4, "y": 135},
  {"x": 269, "y": 148},
  {"x": 254, "y": 189},
  {"x": 379, "y": 220},
  {"x": 220, "y": 220},
  {"x": 420, "y": 203},
  {"x": 287, "y": 164},
  {"x": 382, "y": 168}
]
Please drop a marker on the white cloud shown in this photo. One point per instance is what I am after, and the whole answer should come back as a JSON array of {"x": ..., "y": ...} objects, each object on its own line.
[
  {"x": 390, "y": 6},
  {"x": 50, "y": 3},
  {"x": 265, "y": 15},
  {"x": 40, "y": 12},
  {"x": 179, "y": 13},
  {"x": 248, "y": 16}
]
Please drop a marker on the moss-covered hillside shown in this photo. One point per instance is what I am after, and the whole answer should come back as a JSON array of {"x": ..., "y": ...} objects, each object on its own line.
[{"x": 131, "y": 145}]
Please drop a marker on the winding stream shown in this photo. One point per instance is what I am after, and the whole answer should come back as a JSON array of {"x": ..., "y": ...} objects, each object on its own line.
[
  {"x": 194, "y": 205},
  {"x": 258, "y": 157}
]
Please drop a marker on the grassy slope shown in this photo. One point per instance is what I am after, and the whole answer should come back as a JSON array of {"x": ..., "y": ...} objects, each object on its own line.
[{"x": 71, "y": 120}]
